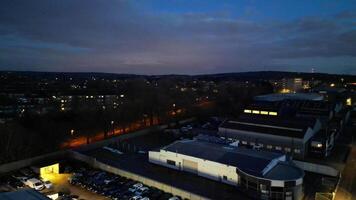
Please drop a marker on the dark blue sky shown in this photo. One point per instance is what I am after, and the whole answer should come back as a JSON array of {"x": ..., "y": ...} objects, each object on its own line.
[{"x": 178, "y": 36}]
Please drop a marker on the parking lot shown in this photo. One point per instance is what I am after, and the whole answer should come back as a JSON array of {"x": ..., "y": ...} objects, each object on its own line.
[
  {"x": 131, "y": 155},
  {"x": 56, "y": 184}
]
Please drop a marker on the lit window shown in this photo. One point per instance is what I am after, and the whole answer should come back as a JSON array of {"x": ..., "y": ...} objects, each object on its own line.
[
  {"x": 247, "y": 111},
  {"x": 287, "y": 149},
  {"x": 316, "y": 144},
  {"x": 244, "y": 142},
  {"x": 256, "y": 112},
  {"x": 264, "y": 113},
  {"x": 348, "y": 102},
  {"x": 278, "y": 148},
  {"x": 296, "y": 150},
  {"x": 273, "y": 113},
  {"x": 269, "y": 146}
]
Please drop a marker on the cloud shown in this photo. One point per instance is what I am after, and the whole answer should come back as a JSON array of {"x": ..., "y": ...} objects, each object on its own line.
[{"x": 126, "y": 36}]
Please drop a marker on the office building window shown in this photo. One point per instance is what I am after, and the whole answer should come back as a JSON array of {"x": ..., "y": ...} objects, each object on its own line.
[
  {"x": 278, "y": 148},
  {"x": 297, "y": 151},
  {"x": 269, "y": 146}
]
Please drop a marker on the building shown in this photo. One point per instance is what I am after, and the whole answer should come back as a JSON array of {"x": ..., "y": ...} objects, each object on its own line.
[
  {"x": 272, "y": 133},
  {"x": 262, "y": 175},
  {"x": 25, "y": 194},
  {"x": 290, "y": 96},
  {"x": 290, "y": 85},
  {"x": 276, "y": 109}
]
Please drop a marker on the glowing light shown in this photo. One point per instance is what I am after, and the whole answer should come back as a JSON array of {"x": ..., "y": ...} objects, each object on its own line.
[
  {"x": 348, "y": 102},
  {"x": 247, "y": 111},
  {"x": 273, "y": 113},
  {"x": 46, "y": 172},
  {"x": 319, "y": 145},
  {"x": 284, "y": 90},
  {"x": 332, "y": 85},
  {"x": 264, "y": 112},
  {"x": 256, "y": 112}
]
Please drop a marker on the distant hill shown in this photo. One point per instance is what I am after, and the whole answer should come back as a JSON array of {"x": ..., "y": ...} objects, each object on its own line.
[{"x": 258, "y": 75}]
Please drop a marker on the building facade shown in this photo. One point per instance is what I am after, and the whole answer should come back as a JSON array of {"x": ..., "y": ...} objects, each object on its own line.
[{"x": 261, "y": 175}]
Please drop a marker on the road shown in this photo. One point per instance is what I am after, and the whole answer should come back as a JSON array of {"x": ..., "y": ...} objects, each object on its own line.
[{"x": 347, "y": 186}]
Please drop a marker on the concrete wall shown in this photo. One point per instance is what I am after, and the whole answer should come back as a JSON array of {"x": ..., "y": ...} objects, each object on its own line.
[
  {"x": 5, "y": 168},
  {"x": 206, "y": 168},
  {"x": 147, "y": 181}
]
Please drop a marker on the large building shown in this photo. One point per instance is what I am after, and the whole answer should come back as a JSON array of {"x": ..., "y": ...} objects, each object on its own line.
[
  {"x": 272, "y": 133},
  {"x": 262, "y": 175},
  {"x": 319, "y": 123}
]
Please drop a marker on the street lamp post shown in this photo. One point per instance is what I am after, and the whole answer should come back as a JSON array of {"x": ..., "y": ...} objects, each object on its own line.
[{"x": 112, "y": 127}]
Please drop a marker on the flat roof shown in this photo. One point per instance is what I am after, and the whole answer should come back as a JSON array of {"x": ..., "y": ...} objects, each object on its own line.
[
  {"x": 28, "y": 194},
  {"x": 248, "y": 160},
  {"x": 291, "y": 96},
  {"x": 284, "y": 171},
  {"x": 295, "y": 127}
]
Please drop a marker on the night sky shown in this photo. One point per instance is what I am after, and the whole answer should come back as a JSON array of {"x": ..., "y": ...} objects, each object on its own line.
[{"x": 178, "y": 36}]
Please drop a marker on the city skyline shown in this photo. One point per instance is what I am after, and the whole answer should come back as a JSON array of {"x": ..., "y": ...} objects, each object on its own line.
[{"x": 178, "y": 37}]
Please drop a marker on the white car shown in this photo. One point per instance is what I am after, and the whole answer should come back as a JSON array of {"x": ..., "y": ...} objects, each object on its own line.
[
  {"x": 141, "y": 190},
  {"x": 135, "y": 187},
  {"x": 47, "y": 184},
  {"x": 136, "y": 198},
  {"x": 34, "y": 183}
]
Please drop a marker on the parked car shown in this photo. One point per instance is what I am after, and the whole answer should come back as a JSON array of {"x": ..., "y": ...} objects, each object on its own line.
[
  {"x": 34, "y": 183},
  {"x": 48, "y": 184}
]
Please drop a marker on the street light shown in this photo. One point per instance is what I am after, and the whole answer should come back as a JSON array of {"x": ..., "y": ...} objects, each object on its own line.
[
  {"x": 112, "y": 126},
  {"x": 72, "y": 132}
]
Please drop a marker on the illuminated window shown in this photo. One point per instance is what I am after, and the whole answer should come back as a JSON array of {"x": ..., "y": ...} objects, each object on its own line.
[
  {"x": 244, "y": 142},
  {"x": 256, "y": 112},
  {"x": 247, "y": 111},
  {"x": 297, "y": 151},
  {"x": 316, "y": 144},
  {"x": 273, "y": 113},
  {"x": 348, "y": 102},
  {"x": 264, "y": 113},
  {"x": 269, "y": 146},
  {"x": 287, "y": 149},
  {"x": 278, "y": 148}
]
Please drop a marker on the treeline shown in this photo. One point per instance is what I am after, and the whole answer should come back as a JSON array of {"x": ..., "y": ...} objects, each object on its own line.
[{"x": 144, "y": 103}]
